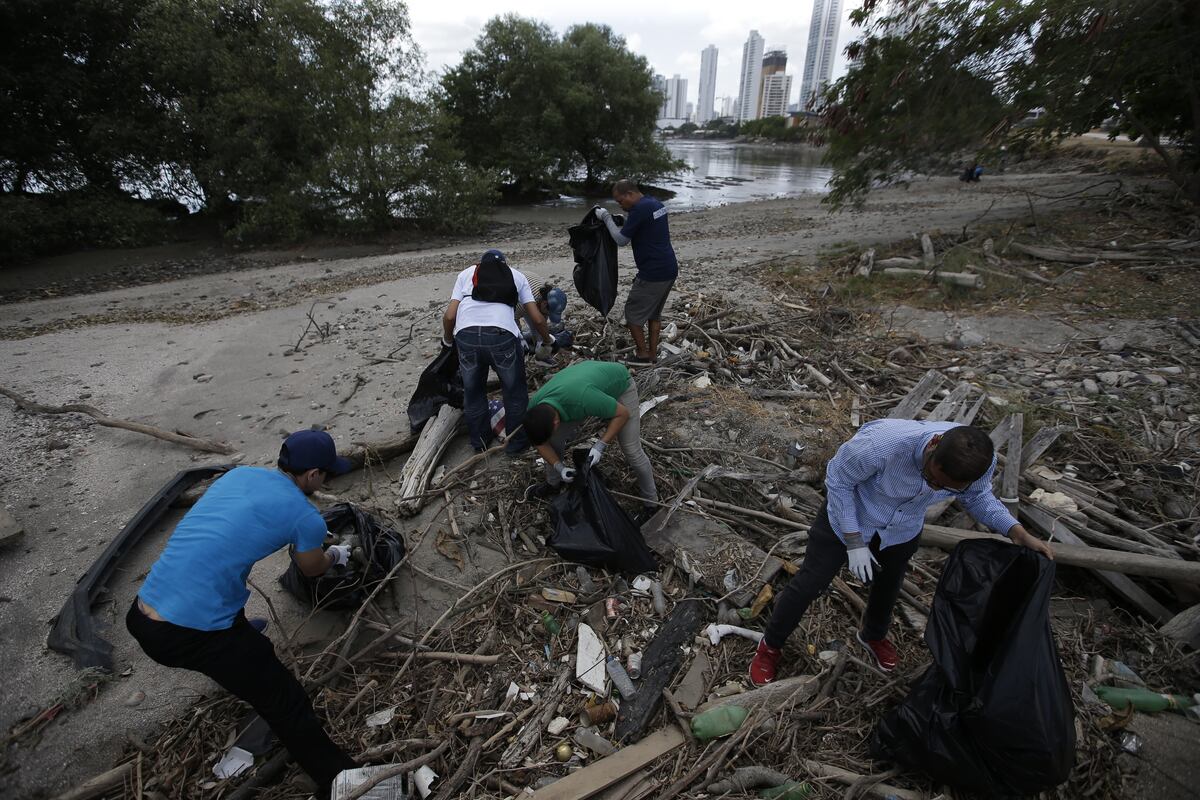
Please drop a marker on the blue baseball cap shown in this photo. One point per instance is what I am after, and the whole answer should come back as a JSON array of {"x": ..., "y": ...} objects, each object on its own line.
[
  {"x": 493, "y": 257},
  {"x": 307, "y": 449},
  {"x": 556, "y": 304}
]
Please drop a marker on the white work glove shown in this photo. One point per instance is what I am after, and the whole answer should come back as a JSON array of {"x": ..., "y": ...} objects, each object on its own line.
[
  {"x": 601, "y": 213},
  {"x": 447, "y": 343},
  {"x": 545, "y": 349},
  {"x": 341, "y": 554},
  {"x": 860, "y": 563},
  {"x": 566, "y": 473},
  {"x": 595, "y": 453}
]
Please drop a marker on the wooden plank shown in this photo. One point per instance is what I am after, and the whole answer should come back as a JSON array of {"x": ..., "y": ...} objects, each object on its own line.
[
  {"x": 999, "y": 434},
  {"x": 660, "y": 662},
  {"x": 1038, "y": 445},
  {"x": 1011, "y": 478},
  {"x": 1122, "y": 585},
  {"x": 600, "y": 774},
  {"x": 967, "y": 414},
  {"x": 918, "y": 396},
  {"x": 1184, "y": 627},
  {"x": 1081, "y": 556},
  {"x": 950, "y": 403}
]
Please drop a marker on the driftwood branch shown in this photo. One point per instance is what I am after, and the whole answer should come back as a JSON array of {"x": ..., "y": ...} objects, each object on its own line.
[{"x": 195, "y": 442}]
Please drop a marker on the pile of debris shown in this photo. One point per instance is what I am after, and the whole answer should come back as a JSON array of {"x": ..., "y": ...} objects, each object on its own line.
[{"x": 510, "y": 692}]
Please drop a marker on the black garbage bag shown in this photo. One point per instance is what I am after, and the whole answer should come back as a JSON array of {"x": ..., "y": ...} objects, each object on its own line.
[
  {"x": 595, "y": 262},
  {"x": 993, "y": 713},
  {"x": 347, "y": 587},
  {"x": 591, "y": 528},
  {"x": 440, "y": 383}
]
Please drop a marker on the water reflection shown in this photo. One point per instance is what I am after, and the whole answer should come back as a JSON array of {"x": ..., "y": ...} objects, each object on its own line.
[{"x": 722, "y": 172}]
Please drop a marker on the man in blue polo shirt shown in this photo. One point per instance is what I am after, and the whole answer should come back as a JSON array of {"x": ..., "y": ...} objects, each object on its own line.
[
  {"x": 190, "y": 610},
  {"x": 646, "y": 228}
]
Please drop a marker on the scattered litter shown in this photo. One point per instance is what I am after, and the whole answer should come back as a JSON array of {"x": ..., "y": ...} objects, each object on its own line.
[
  {"x": 716, "y": 633},
  {"x": 233, "y": 763},
  {"x": 381, "y": 718}
]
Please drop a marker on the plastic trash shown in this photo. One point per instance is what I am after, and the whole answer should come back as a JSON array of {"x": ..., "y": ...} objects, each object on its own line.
[
  {"x": 589, "y": 660},
  {"x": 658, "y": 598},
  {"x": 424, "y": 778},
  {"x": 792, "y": 790},
  {"x": 350, "y": 779},
  {"x": 1143, "y": 699},
  {"x": 993, "y": 713},
  {"x": 586, "y": 737},
  {"x": 586, "y": 584},
  {"x": 590, "y": 527},
  {"x": 633, "y": 665},
  {"x": 552, "y": 626},
  {"x": 718, "y": 722},
  {"x": 1131, "y": 742},
  {"x": 557, "y": 725},
  {"x": 717, "y": 632},
  {"x": 620, "y": 678},
  {"x": 233, "y": 763},
  {"x": 344, "y": 588},
  {"x": 558, "y": 595},
  {"x": 440, "y": 383}
]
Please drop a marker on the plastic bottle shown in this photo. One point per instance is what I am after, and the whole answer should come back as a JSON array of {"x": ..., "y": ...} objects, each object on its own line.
[
  {"x": 718, "y": 722},
  {"x": 586, "y": 584},
  {"x": 1143, "y": 699},
  {"x": 658, "y": 598},
  {"x": 619, "y": 677},
  {"x": 791, "y": 790},
  {"x": 551, "y": 625},
  {"x": 586, "y": 737}
]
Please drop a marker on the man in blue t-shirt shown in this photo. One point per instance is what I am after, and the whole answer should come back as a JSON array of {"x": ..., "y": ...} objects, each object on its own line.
[
  {"x": 646, "y": 229},
  {"x": 190, "y": 610}
]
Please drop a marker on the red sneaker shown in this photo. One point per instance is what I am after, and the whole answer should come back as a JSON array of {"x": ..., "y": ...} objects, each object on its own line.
[
  {"x": 765, "y": 664},
  {"x": 882, "y": 651}
]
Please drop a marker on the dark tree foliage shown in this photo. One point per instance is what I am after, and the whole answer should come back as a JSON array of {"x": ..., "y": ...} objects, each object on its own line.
[
  {"x": 929, "y": 80},
  {"x": 541, "y": 110}
]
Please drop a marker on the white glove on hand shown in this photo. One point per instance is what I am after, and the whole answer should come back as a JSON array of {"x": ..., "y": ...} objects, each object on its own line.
[
  {"x": 341, "y": 554},
  {"x": 447, "y": 344},
  {"x": 545, "y": 349},
  {"x": 602, "y": 213},
  {"x": 595, "y": 453},
  {"x": 860, "y": 563},
  {"x": 566, "y": 473}
]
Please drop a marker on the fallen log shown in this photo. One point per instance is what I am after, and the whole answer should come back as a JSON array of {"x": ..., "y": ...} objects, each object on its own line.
[
  {"x": 418, "y": 469},
  {"x": 968, "y": 279},
  {"x": 881, "y": 790},
  {"x": 1184, "y": 627},
  {"x": 659, "y": 664},
  {"x": 100, "y": 784},
  {"x": 194, "y": 442},
  {"x": 531, "y": 734},
  {"x": 1076, "y": 256},
  {"x": 1077, "y": 556},
  {"x": 380, "y": 452}
]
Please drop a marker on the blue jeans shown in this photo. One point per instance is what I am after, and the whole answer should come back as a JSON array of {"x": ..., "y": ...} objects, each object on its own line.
[{"x": 478, "y": 349}]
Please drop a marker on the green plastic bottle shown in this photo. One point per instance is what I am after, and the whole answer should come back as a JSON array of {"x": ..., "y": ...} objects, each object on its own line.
[
  {"x": 718, "y": 722},
  {"x": 552, "y": 626},
  {"x": 792, "y": 790},
  {"x": 1144, "y": 699}
]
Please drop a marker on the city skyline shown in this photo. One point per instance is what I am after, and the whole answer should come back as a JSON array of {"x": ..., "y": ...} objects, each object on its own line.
[
  {"x": 671, "y": 34},
  {"x": 823, "y": 34},
  {"x": 709, "y": 59},
  {"x": 750, "y": 77}
]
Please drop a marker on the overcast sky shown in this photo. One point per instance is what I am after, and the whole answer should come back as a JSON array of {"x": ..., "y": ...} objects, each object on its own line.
[{"x": 669, "y": 33}]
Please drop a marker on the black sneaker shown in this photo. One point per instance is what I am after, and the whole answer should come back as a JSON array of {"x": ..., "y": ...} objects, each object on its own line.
[
  {"x": 638, "y": 361},
  {"x": 542, "y": 491}
]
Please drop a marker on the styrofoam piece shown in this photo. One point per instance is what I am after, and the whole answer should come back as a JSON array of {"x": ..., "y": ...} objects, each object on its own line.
[{"x": 589, "y": 660}]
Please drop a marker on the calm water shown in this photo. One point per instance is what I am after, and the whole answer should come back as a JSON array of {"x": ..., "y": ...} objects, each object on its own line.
[{"x": 722, "y": 173}]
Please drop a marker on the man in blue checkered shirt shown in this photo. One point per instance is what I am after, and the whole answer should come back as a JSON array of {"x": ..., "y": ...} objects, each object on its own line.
[{"x": 878, "y": 488}]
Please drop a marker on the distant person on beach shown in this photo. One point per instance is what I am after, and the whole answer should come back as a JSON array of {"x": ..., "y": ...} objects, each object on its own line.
[
  {"x": 647, "y": 230},
  {"x": 190, "y": 611}
]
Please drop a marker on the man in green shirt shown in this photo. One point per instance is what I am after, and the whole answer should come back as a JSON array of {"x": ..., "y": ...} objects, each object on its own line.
[{"x": 600, "y": 389}]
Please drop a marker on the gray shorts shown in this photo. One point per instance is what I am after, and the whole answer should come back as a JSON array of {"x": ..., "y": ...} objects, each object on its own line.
[{"x": 646, "y": 301}]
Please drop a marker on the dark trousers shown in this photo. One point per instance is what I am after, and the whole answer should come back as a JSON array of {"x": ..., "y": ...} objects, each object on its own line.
[
  {"x": 478, "y": 349},
  {"x": 244, "y": 663},
  {"x": 824, "y": 557}
]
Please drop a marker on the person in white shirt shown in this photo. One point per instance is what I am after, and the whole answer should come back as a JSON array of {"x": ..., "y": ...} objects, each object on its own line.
[{"x": 480, "y": 323}]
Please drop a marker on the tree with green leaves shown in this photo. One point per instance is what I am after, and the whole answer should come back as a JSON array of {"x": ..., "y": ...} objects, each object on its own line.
[
  {"x": 539, "y": 110},
  {"x": 929, "y": 80}
]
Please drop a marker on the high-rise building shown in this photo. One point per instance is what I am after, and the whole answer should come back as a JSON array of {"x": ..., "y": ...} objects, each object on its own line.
[
  {"x": 676, "y": 105},
  {"x": 727, "y": 106},
  {"x": 708, "y": 84},
  {"x": 750, "y": 81},
  {"x": 773, "y": 96},
  {"x": 822, "y": 49},
  {"x": 659, "y": 84}
]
